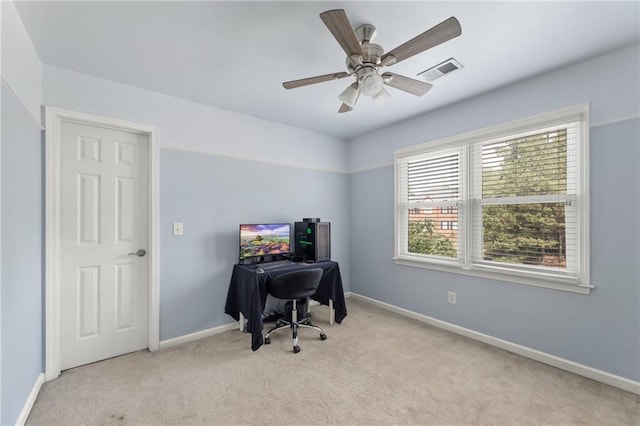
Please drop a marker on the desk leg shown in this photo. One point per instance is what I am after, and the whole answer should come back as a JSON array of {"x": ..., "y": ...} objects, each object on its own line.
[
  {"x": 241, "y": 322},
  {"x": 332, "y": 312}
]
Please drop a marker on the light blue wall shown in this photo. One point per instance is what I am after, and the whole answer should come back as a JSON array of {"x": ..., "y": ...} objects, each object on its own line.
[
  {"x": 21, "y": 204},
  {"x": 601, "y": 330},
  {"x": 212, "y": 195},
  {"x": 20, "y": 66},
  {"x": 609, "y": 83},
  {"x": 217, "y": 169},
  {"x": 191, "y": 126},
  {"x": 22, "y": 260}
]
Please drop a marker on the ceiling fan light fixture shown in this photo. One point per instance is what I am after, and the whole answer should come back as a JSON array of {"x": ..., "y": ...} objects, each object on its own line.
[
  {"x": 382, "y": 97},
  {"x": 350, "y": 95},
  {"x": 371, "y": 83}
]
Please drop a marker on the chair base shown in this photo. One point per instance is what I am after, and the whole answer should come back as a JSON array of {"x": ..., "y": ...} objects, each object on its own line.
[{"x": 293, "y": 325}]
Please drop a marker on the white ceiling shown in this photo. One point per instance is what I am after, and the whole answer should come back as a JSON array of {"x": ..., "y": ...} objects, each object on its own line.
[{"x": 235, "y": 55}]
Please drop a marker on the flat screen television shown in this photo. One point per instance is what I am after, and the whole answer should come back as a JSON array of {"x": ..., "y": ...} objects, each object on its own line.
[{"x": 267, "y": 239}]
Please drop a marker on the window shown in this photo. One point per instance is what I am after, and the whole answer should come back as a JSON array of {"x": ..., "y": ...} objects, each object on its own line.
[
  {"x": 448, "y": 224},
  {"x": 509, "y": 202}
]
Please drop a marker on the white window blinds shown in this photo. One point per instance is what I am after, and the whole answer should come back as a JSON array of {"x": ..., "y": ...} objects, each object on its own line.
[
  {"x": 524, "y": 201},
  {"x": 434, "y": 178},
  {"x": 514, "y": 204},
  {"x": 430, "y": 187}
]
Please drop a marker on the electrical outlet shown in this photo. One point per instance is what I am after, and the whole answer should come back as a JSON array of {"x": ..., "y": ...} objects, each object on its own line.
[
  {"x": 452, "y": 297},
  {"x": 178, "y": 228}
]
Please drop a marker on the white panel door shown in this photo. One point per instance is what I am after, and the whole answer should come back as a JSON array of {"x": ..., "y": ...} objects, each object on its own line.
[{"x": 104, "y": 297}]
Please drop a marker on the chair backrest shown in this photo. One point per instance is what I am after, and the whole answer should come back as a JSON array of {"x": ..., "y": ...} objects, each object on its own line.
[{"x": 296, "y": 284}]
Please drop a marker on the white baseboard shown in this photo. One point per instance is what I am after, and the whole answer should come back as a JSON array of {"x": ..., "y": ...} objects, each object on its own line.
[
  {"x": 31, "y": 399},
  {"x": 212, "y": 331},
  {"x": 545, "y": 358},
  {"x": 198, "y": 335}
]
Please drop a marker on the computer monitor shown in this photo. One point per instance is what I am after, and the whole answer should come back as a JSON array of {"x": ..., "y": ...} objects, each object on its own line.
[{"x": 267, "y": 239}]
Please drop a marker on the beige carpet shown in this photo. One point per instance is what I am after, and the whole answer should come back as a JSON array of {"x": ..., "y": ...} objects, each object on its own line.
[{"x": 375, "y": 368}]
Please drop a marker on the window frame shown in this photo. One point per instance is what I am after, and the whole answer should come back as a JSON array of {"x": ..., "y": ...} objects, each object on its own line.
[{"x": 540, "y": 277}]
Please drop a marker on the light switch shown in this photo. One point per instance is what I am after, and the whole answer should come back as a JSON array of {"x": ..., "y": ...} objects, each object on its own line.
[{"x": 178, "y": 228}]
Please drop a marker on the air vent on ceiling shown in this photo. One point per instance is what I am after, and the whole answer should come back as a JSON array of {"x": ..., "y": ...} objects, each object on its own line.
[{"x": 446, "y": 67}]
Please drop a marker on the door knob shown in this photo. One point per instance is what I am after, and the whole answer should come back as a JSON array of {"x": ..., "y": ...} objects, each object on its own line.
[{"x": 139, "y": 253}]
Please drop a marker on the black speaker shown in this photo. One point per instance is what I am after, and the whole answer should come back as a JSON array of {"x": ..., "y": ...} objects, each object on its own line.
[{"x": 312, "y": 240}]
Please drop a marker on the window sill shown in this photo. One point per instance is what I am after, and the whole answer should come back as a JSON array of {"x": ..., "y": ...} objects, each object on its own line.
[{"x": 512, "y": 278}]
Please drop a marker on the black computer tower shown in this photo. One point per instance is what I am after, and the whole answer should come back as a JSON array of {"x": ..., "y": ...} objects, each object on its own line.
[{"x": 312, "y": 241}]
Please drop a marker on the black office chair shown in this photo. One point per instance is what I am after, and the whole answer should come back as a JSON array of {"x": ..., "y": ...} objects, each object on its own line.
[{"x": 295, "y": 286}]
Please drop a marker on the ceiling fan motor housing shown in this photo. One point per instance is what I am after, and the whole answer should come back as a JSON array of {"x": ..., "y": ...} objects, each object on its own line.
[
  {"x": 366, "y": 33},
  {"x": 372, "y": 53}
]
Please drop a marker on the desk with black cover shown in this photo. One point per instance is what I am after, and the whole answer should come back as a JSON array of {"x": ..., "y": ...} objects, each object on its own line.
[{"x": 248, "y": 290}]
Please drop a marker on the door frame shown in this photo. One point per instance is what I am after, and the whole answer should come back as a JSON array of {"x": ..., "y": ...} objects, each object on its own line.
[{"x": 54, "y": 117}]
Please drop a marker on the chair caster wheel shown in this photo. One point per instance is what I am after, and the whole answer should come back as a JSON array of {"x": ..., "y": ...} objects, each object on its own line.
[
  {"x": 323, "y": 336},
  {"x": 267, "y": 340},
  {"x": 296, "y": 349}
]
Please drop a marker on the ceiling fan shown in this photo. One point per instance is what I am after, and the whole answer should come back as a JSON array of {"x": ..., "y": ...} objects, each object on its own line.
[{"x": 365, "y": 59}]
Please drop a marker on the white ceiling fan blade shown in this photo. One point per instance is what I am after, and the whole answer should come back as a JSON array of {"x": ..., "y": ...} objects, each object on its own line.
[
  {"x": 313, "y": 80},
  {"x": 409, "y": 85}
]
